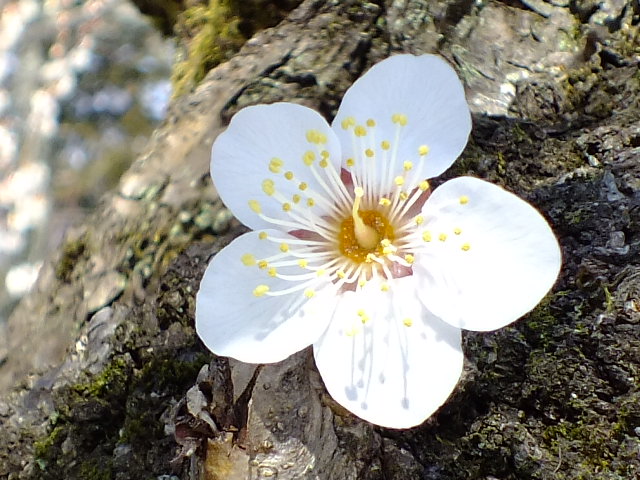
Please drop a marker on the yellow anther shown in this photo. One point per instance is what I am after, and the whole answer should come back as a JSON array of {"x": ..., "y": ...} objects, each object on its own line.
[
  {"x": 407, "y": 322},
  {"x": 369, "y": 153},
  {"x": 260, "y": 290},
  {"x": 348, "y": 122},
  {"x": 255, "y": 206},
  {"x": 361, "y": 313},
  {"x": 426, "y": 236},
  {"x": 419, "y": 219},
  {"x": 262, "y": 264},
  {"x": 360, "y": 131},
  {"x": 385, "y": 202},
  {"x": 350, "y": 162},
  {"x": 457, "y": 231},
  {"x": 262, "y": 235},
  {"x": 272, "y": 272},
  {"x": 275, "y": 165},
  {"x": 303, "y": 263},
  {"x": 286, "y": 207},
  {"x": 385, "y": 145},
  {"x": 370, "y": 258},
  {"x": 465, "y": 247},
  {"x": 399, "y": 118},
  {"x": 371, "y": 122},
  {"x": 296, "y": 198},
  {"x": 288, "y": 175},
  {"x": 423, "y": 150},
  {"x": 384, "y": 287},
  {"x": 385, "y": 242},
  {"x": 315, "y": 136},
  {"x": 464, "y": 200},
  {"x": 399, "y": 180},
  {"x": 324, "y": 154},
  {"x": 284, "y": 247},
  {"x": 321, "y": 272},
  {"x": 407, "y": 166},
  {"x": 340, "y": 274},
  {"x": 308, "y": 158},
  {"x": 303, "y": 186},
  {"x": 310, "y": 202},
  {"x": 362, "y": 282},
  {"x": 388, "y": 250},
  {"x": 424, "y": 185},
  {"x": 442, "y": 237},
  {"x": 404, "y": 195},
  {"x": 268, "y": 186},
  {"x": 364, "y": 319},
  {"x": 409, "y": 258},
  {"x": 309, "y": 293},
  {"x": 248, "y": 259},
  {"x": 323, "y": 163}
]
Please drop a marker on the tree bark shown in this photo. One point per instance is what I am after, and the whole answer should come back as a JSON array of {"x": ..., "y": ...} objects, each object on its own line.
[{"x": 104, "y": 374}]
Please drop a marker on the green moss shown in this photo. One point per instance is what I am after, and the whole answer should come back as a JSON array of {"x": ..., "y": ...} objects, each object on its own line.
[
  {"x": 94, "y": 470},
  {"x": 71, "y": 252}
]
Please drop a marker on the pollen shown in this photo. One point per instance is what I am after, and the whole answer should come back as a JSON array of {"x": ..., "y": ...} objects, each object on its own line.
[
  {"x": 321, "y": 272},
  {"x": 255, "y": 206},
  {"x": 399, "y": 180},
  {"x": 399, "y": 118},
  {"x": 323, "y": 163},
  {"x": 409, "y": 258},
  {"x": 442, "y": 237},
  {"x": 384, "y": 287},
  {"x": 303, "y": 186},
  {"x": 465, "y": 247},
  {"x": 268, "y": 187},
  {"x": 260, "y": 290},
  {"x": 303, "y": 263},
  {"x": 407, "y": 322},
  {"x": 262, "y": 264},
  {"x": 295, "y": 198},
  {"x": 426, "y": 236},
  {"x": 423, "y": 150},
  {"x": 407, "y": 166},
  {"x": 385, "y": 145},
  {"x": 308, "y": 158},
  {"x": 310, "y": 202},
  {"x": 348, "y": 122},
  {"x": 424, "y": 185},
  {"x": 350, "y": 162},
  {"x": 324, "y": 154},
  {"x": 316, "y": 137},
  {"x": 369, "y": 153},
  {"x": 284, "y": 247},
  {"x": 272, "y": 272},
  {"x": 309, "y": 293},
  {"x": 275, "y": 165},
  {"x": 360, "y": 131},
  {"x": 340, "y": 274},
  {"x": 262, "y": 235},
  {"x": 248, "y": 259},
  {"x": 457, "y": 231},
  {"x": 385, "y": 202},
  {"x": 464, "y": 200},
  {"x": 286, "y": 207},
  {"x": 419, "y": 219},
  {"x": 371, "y": 122},
  {"x": 288, "y": 175}
]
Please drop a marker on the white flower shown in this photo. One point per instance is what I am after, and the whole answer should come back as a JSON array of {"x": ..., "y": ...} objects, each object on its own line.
[{"x": 353, "y": 253}]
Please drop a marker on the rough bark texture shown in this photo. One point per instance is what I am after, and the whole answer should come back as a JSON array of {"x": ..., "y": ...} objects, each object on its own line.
[{"x": 110, "y": 380}]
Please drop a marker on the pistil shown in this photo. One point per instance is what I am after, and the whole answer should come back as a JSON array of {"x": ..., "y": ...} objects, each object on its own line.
[{"x": 366, "y": 236}]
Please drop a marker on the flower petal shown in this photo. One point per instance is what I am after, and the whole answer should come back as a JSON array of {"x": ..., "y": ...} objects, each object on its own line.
[
  {"x": 261, "y": 158},
  {"x": 236, "y": 316},
  {"x": 491, "y": 258},
  {"x": 426, "y": 90},
  {"x": 397, "y": 367}
]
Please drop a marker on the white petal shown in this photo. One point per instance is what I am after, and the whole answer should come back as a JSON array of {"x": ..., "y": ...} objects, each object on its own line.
[
  {"x": 233, "y": 322},
  {"x": 512, "y": 261},
  {"x": 425, "y": 89},
  {"x": 383, "y": 371},
  {"x": 241, "y": 159}
]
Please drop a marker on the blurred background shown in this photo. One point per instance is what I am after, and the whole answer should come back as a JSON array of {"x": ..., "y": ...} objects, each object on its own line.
[{"x": 83, "y": 83}]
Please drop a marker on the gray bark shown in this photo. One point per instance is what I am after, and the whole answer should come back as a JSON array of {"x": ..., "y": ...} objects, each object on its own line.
[{"x": 104, "y": 374}]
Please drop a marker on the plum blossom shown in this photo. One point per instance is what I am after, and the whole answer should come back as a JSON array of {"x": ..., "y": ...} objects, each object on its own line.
[{"x": 353, "y": 252}]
